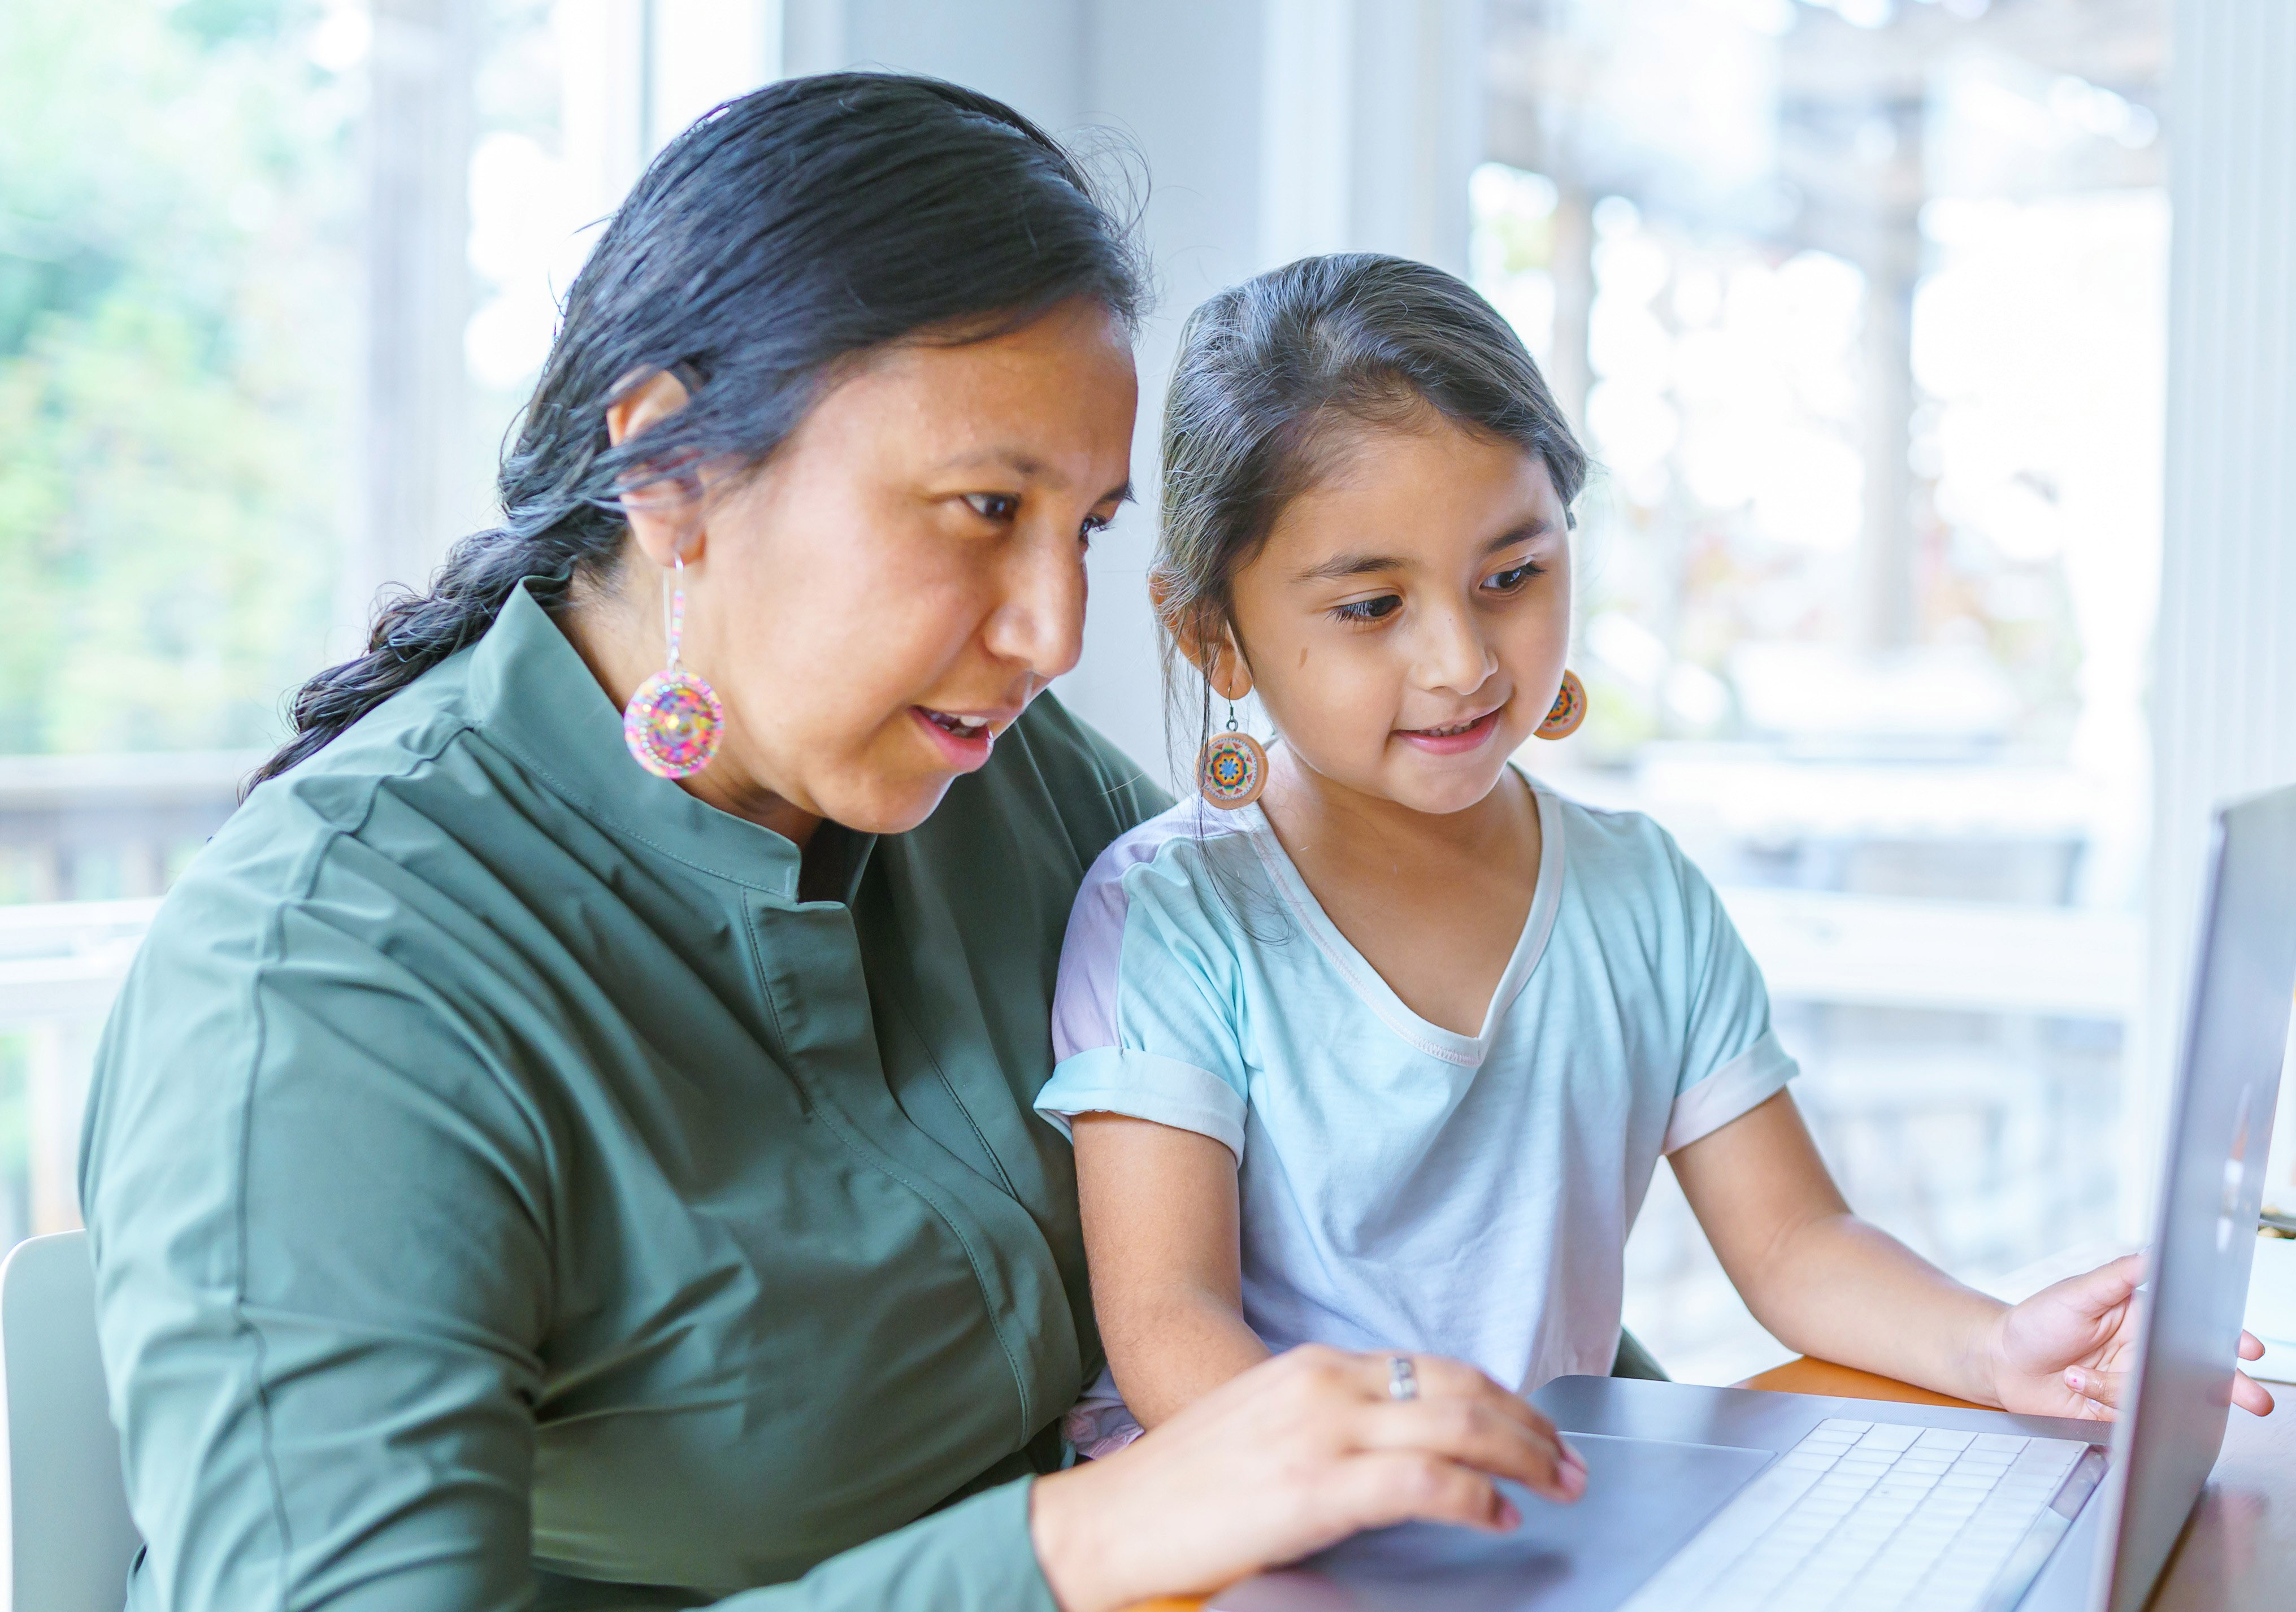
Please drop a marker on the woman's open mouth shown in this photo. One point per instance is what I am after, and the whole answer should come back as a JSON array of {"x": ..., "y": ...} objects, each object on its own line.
[
  {"x": 1456, "y": 738},
  {"x": 964, "y": 742}
]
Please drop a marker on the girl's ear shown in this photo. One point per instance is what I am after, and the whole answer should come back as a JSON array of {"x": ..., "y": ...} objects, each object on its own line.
[
  {"x": 1226, "y": 669},
  {"x": 1210, "y": 647}
]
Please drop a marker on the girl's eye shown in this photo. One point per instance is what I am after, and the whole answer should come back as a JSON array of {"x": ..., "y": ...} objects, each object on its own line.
[
  {"x": 1369, "y": 609},
  {"x": 993, "y": 506},
  {"x": 1511, "y": 578}
]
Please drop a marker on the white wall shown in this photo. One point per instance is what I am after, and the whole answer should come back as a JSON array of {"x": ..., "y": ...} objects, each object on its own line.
[{"x": 2225, "y": 687}]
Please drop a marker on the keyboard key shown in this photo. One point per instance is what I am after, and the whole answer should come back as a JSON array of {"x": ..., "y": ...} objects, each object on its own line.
[
  {"x": 1944, "y": 1438},
  {"x": 1888, "y": 1435},
  {"x": 1868, "y": 1517}
]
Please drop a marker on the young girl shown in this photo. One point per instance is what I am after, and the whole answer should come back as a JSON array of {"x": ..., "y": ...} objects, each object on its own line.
[{"x": 1383, "y": 1054}]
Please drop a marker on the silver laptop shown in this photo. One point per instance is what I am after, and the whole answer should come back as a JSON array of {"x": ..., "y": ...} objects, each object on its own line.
[{"x": 1724, "y": 1499}]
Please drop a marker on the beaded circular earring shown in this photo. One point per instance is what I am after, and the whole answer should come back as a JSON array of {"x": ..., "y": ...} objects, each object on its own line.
[
  {"x": 1232, "y": 768},
  {"x": 1568, "y": 711},
  {"x": 674, "y": 722}
]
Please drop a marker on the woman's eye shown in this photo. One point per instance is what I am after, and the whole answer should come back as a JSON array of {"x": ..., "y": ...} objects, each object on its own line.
[
  {"x": 1511, "y": 578},
  {"x": 993, "y": 506},
  {"x": 1092, "y": 523},
  {"x": 1369, "y": 609}
]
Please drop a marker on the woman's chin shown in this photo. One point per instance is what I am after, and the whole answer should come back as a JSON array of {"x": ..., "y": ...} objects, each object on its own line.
[{"x": 889, "y": 804}]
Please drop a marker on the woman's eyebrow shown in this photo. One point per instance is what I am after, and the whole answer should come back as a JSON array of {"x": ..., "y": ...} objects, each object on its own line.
[
  {"x": 1028, "y": 467},
  {"x": 1020, "y": 463}
]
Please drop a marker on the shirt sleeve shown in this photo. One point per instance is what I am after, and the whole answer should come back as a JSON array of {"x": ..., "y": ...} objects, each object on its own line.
[
  {"x": 320, "y": 1223},
  {"x": 1142, "y": 1014},
  {"x": 1731, "y": 1061}
]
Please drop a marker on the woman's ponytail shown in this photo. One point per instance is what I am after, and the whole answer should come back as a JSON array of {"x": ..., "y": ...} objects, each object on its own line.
[{"x": 784, "y": 233}]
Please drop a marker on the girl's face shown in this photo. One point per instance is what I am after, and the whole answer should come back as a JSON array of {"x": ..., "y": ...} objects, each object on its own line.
[
  {"x": 907, "y": 573},
  {"x": 1405, "y": 623}
]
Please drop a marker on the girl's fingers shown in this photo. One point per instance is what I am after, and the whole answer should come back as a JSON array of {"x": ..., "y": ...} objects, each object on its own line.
[
  {"x": 2250, "y": 1394},
  {"x": 1478, "y": 1436},
  {"x": 2102, "y": 1387},
  {"x": 2251, "y": 1346}
]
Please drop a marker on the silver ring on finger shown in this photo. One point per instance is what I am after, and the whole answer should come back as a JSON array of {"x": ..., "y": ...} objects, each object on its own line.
[{"x": 1402, "y": 1377}]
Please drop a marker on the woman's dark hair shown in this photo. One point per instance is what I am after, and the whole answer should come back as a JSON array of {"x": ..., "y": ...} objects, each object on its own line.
[
  {"x": 1271, "y": 377},
  {"x": 779, "y": 237}
]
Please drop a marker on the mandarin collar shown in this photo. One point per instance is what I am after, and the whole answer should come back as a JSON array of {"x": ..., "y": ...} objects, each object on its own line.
[{"x": 532, "y": 694}]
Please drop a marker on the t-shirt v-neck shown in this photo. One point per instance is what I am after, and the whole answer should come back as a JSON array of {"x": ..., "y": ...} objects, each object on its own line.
[{"x": 1437, "y": 1041}]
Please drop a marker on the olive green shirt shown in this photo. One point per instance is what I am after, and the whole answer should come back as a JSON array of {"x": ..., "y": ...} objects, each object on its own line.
[{"x": 506, "y": 1192}]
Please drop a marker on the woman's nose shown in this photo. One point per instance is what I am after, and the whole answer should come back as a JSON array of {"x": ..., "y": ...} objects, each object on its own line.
[{"x": 1038, "y": 622}]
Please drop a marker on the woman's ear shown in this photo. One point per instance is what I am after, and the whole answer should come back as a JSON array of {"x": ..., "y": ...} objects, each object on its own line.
[{"x": 665, "y": 514}]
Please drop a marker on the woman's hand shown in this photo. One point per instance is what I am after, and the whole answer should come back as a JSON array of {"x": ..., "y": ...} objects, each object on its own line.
[
  {"x": 1283, "y": 1459},
  {"x": 2067, "y": 1350}
]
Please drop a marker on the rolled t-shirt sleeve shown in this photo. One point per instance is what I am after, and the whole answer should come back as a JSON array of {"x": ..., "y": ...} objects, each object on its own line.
[
  {"x": 1731, "y": 1061},
  {"x": 1142, "y": 1016}
]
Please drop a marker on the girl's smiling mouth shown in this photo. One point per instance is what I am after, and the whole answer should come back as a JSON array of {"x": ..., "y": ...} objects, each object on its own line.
[{"x": 1456, "y": 738}]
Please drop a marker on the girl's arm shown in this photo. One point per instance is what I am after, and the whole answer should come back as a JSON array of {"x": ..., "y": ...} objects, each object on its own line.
[
  {"x": 1159, "y": 1232},
  {"x": 1826, "y": 1283}
]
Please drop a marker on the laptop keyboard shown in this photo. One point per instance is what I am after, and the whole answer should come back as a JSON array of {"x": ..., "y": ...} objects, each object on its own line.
[{"x": 1880, "y": 1516}]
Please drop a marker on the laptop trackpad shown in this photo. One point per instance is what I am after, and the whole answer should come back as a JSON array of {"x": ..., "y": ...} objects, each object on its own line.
[{"x": 1644, "y": 1499}]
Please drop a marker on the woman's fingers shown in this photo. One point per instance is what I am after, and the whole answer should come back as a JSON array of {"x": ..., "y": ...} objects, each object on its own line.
[
  {"x": 1438, "y": 1377},
  {"x": 1475, "y": 1434}
]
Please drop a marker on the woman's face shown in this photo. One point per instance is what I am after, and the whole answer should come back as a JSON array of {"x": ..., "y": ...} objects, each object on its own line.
[{"x": 904, "y": 575}]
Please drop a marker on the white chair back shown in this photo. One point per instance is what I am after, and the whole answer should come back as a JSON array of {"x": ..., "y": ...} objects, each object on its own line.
[{"x": 65, "y": 1538}]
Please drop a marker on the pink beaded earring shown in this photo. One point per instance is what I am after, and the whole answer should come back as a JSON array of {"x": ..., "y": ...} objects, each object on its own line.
[{"x": 674, "y": 722}]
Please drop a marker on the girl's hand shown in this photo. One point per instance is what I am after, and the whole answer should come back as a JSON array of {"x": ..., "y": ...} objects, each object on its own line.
[
  {"x": 1290, "y": 1457},
  {"x": 2066, "y": 1350}
]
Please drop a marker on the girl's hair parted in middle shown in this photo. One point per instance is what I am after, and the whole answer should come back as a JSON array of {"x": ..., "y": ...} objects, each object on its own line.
[{"x": 1271, "y": 376}]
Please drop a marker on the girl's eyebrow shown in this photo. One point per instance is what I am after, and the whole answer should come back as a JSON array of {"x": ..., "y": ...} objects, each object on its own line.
[{"x": 1339, "y": 566}]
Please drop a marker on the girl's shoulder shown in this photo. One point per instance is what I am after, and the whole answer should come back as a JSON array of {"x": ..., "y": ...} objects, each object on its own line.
[
  {"x": 1192, "y": 870},
  {"x": 1625, "y": 871}
]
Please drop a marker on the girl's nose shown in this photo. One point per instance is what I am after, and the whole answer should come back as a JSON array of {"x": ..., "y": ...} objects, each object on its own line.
[{"x": 1454, "y": 656}]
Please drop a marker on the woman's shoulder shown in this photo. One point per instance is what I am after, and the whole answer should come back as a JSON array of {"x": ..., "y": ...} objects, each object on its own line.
[{"x": 348, "y": 839}]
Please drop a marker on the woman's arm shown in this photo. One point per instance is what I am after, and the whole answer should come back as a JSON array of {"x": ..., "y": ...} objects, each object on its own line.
[
  {"x": 1160, "y": 1232},
  {"x": 1826, "y": 1283}
]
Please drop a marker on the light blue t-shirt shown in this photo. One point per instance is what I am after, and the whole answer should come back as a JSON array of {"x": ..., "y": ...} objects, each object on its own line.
[{"x": 1401, "y": 1185}]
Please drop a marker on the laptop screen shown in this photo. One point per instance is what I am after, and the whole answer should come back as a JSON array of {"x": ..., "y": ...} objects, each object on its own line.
[{"x": 2219, "y": 1134}]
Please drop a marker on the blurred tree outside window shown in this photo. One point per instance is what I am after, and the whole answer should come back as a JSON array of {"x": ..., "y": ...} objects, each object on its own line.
[{"x": 177, "y": 319}]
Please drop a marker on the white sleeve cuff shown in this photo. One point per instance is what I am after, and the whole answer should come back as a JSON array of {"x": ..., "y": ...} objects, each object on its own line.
[
  {"x": 1123, "y": 1080},
  {"x": 1747, "y": 1081}
]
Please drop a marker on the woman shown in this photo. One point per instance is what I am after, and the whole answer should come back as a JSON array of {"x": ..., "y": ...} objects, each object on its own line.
[{"x": 517, "y": 1179}]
